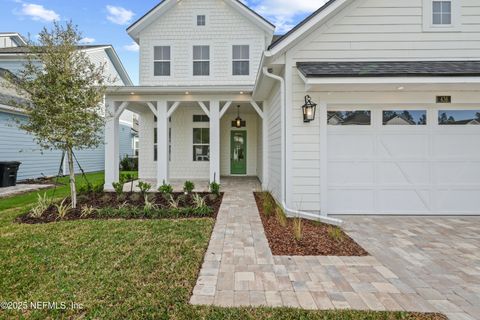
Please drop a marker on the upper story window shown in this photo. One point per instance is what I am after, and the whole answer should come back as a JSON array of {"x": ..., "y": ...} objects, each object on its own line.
[
  {"x": 201, "y": 20},
  {"x": 241, "y": 60},
  {"x": 161, "y": 61},
  {"x": 442, "y": 15},
  {"x": 442, "y": 12},
  {"x": 201, "y": 60}
]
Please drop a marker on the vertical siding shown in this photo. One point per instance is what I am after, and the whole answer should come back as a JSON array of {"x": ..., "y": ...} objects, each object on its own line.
[
  {"x": 177, "y": 28},
  {"x": 273, "y": 118}
]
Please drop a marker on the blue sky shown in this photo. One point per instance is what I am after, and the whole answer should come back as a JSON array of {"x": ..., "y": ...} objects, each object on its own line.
[{"x": 105, "y": 21}]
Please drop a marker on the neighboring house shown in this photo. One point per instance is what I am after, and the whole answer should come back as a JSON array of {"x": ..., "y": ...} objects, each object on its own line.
[
  {"x": 360, "y": 58},
  {"x": 399, "y": 120},
  {"x": 17, "y": 145}
]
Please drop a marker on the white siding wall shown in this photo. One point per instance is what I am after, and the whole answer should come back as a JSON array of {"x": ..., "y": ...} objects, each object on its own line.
[
  {"x": 182, "y": 165},
  {"x": 368, "y": 30},
  {"x": 177, "y": 28},
  {"x": 273, "y": 118},
  {"x": 391, "y": 30},
  {"x": 305, "y": 166}
]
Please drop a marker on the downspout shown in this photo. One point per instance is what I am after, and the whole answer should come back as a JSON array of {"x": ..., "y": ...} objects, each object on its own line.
[{"x": 288, "y": 210}]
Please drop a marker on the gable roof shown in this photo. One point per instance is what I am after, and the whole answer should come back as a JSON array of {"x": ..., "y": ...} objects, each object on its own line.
[
  {"x": 16, "y": 37},
  {"x": 165, "y": 5},
  {"x": 109, "y": 50}
]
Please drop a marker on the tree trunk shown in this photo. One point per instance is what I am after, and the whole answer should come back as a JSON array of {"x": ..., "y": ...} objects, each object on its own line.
[{"x": 73, "y": 190}]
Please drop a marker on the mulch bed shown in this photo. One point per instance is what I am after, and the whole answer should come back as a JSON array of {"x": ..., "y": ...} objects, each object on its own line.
[
  {"x": 316, "y": 240},
  {"x": 128, "y": 200}
]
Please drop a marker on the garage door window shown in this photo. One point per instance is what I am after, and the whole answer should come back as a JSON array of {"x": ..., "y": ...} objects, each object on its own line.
[
  {"x": 349, "y": 118},
  {"x": 404, "y": 117},
  {"x": 459, "y": 117}
]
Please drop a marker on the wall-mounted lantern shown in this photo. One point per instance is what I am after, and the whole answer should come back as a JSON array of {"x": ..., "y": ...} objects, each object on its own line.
[
  {"x": 309, "y": 109},
  {"x": 238, "y": 122}
]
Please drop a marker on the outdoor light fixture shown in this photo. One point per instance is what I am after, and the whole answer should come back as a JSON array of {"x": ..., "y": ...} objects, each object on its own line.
[
  {"x": 309, "y": 109},
  {"x": 238, "y": 122}
]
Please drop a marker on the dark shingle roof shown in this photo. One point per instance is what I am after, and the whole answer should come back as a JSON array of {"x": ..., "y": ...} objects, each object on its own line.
[
  {"x": 389, "y": 69},
  {"x": 276, "y": 37},
  {"x": 20, "y": 50}
]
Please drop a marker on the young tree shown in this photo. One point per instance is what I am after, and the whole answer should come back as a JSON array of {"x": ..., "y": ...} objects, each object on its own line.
[{"x": 65, "y": 92}]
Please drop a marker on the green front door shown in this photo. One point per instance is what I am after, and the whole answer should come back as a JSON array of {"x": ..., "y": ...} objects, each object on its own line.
[{"x": 238, "y": 153}]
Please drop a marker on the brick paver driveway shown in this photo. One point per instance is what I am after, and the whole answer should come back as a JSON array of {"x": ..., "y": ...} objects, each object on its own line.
[
  {"x": 437, "y": 257},
  {"x": 416, "y": 264}
]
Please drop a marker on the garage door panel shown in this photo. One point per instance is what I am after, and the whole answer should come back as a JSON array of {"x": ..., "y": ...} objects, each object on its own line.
[
  {"x": 359, "y": 146},
  {"x": 405, "y": 201},
  {"x": 464, "y": 146},
  {"x": 403, "y": 173},
  {"x": 460, "y": 173},
  {"x": 402, "y": 145},
  {"x": 347, "y": 173},
  {"x": 350, "y": 201},
  {"x": 459, "y": 201}
]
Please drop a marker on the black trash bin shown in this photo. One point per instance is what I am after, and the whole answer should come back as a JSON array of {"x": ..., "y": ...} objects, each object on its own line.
[{"x": 8, "y": 173}]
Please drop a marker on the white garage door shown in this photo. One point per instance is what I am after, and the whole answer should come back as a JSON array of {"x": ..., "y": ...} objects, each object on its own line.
[{"x": 404, "y": 160}]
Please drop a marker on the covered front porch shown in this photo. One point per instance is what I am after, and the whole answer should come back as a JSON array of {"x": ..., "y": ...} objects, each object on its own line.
[{"x": 189, "y": 134}]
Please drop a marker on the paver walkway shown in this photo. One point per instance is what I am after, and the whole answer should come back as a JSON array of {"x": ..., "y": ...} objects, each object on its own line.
[
  {"x": 240, "y": 270},
  {"x": 21, "y": 188}
]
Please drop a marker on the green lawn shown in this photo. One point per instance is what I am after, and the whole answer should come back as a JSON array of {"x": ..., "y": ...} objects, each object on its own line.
[{"x": 116, "y": 269}]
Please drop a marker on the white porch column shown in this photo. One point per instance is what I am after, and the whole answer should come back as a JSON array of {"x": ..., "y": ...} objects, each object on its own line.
[
  {"x": 265, "y": 183},
  {"x": 323, "y": 118},
  {"x": 215, "y": 141},
  {"x": 112, "y": 146},
  {"x": 162, "y": 142}
]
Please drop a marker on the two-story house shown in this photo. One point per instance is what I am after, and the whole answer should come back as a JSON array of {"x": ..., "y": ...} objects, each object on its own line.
[{"x": 313, "y": 114}]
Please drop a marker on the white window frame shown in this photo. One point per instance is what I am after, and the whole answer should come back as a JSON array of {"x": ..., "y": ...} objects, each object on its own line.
[
  {"x": 456, "y": 16},
  {"x": 169, "y": 61},
  {"x": 209, "y": 60},
  {"x": 200, "y": 144},
  {"x": 242, "y": 60}
]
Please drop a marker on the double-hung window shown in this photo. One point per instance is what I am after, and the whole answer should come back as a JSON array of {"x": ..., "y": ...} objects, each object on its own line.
[
  {"x": 201, "y": 60},
  {"x": 241, "y": 60},
  {"x": 162, "y": 61},
  {"x": 201, "y": 144},
  {"x": 441, "y": 12}
]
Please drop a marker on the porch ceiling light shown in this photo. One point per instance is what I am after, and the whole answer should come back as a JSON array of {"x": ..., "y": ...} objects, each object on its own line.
[
  {"x": 238, "y": 122},
  {"x": 309, "y": 109}
]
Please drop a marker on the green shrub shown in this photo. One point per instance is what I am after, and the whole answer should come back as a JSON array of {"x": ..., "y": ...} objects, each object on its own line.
[
  {"x": 118, "y": 187},
  {"x": 165, "y": 188},
  {"x": 215, "y": 188},
  {"x": 129, "y": 164},
  {"x": 198, "y": 201},
  {"x": 144, "y": 187},
  {"x": 188, "y": 186}
]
